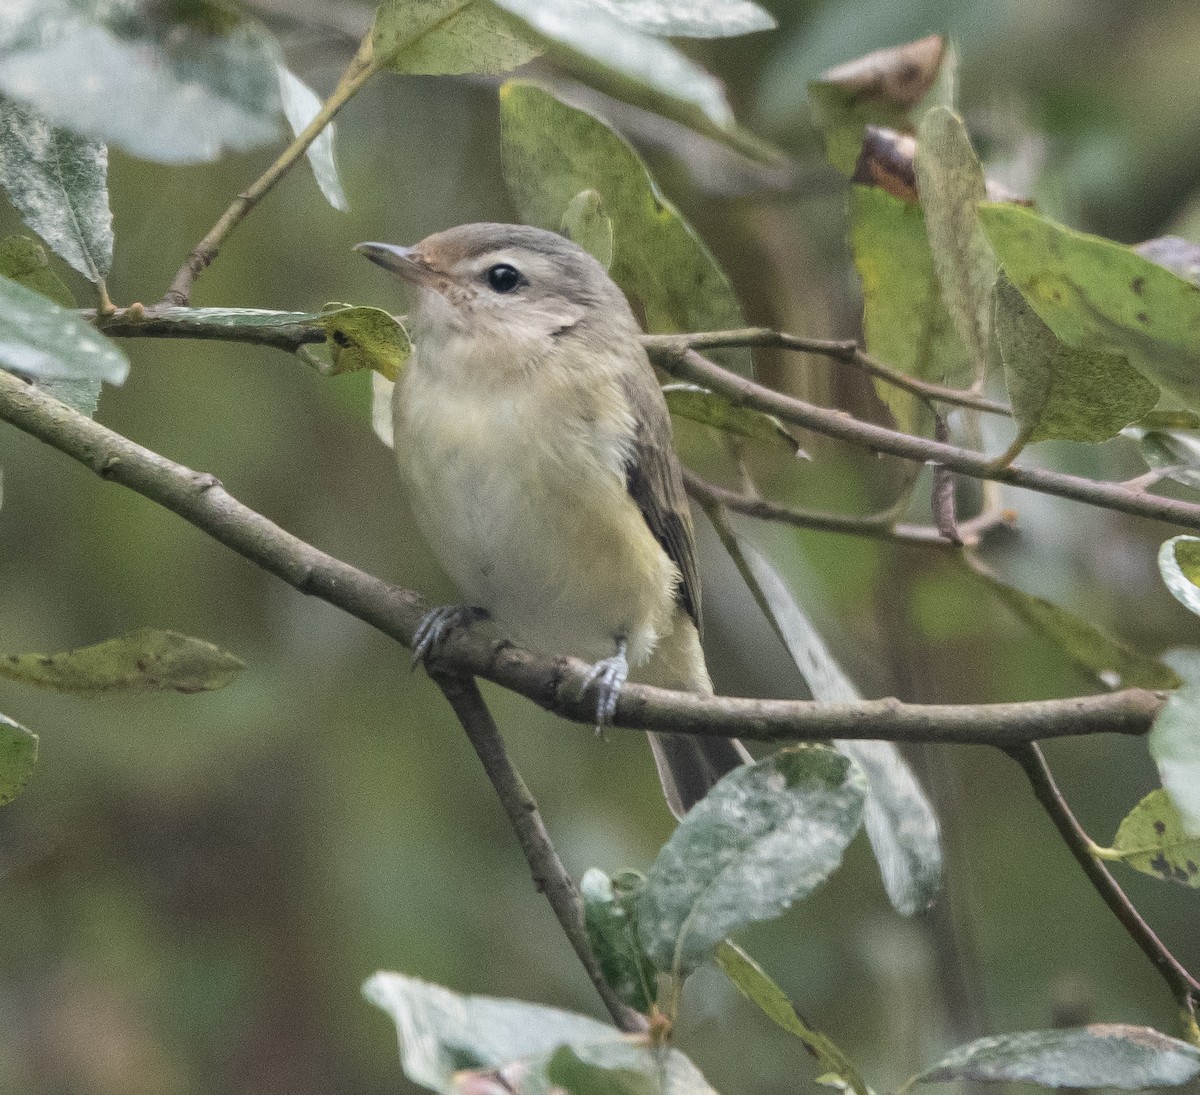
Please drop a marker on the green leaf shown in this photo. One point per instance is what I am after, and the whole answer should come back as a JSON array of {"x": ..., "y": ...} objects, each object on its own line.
[
  {"x": 1179, "y": 565},
  {"x": 1176, "y": 453},
  {"x": 146, "y": 660},
  {"x": 18, "y": 754},
  {"x": 567, "y": 1070},
  {"x": 880, "y": 89},
  {"x": 1059, "y": 393},
  {"x": 621, "y": 60},
  {"x": 689, "y": 18},
  {"x": 300, "y": 106},
  {"x": 752, "y": 982},
  {"x": 1174, "y": 740},
  {"x": 1152, "y": 839},
  {"x": 905, "y": 322},
  {"x": 1114, "y": 663},
  {"x": 173, "y": 83},
  {"x": 764, "y": 837},
  {"x": 40, "y": 339},
  {"x": 608, "y": 916},
  {"x": 899, "y": 819},
  {"x": 448, "y": 38},
  {"x": 1100, "y": 1055},
  {"x": 586, "y": 223},
  {"x": 366, "y": 338},
  {"x": 442, "y": 1034},
  {"x": 1098, "y": 295},
  {"x": 25, "y": 261},
  {"x": 552, "y": 151},
  {"x": 700, "y": 405},
  {"x": 951, "y": 184},
  {"x": 58, "y": 182}
]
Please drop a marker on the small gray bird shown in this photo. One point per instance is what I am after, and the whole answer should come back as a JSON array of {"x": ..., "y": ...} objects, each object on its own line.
[{"x": 535, "y": 446}]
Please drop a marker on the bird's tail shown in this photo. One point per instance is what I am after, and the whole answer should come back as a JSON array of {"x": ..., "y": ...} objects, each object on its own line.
[{"x": 688, "y": 765}]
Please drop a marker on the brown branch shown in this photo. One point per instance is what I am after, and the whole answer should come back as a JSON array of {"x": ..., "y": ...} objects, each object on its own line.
[
  {"x": 845, "y": 351},
  {"x": 1184, "y": 987},
  {"x": 677, "y": 358},
  {"x": 549, "y": 875},
  {"x": 879, "y": 527},
  {"x": 555, "y": 684}
]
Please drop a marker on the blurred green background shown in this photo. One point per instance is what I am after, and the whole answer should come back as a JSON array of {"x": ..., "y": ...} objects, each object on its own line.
[{"x": 193, "y": 888}]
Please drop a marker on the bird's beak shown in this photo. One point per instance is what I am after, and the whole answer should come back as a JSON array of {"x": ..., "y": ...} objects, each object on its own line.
[{"x": 405, "y": 262}]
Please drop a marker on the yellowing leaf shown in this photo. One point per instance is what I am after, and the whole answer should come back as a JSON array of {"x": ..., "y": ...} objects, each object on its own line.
[
  {"x": 366, "y": 338},
  {"x": 1152, "y": 840}
]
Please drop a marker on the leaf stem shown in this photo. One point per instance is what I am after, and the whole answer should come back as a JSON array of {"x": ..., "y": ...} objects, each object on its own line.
[
  {"x": 1184, "y": 987},
  {"x": 361, "y": 68}
]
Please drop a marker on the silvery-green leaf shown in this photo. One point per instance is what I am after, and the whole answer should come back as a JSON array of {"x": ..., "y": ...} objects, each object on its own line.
[
  {"x": 690, "y": 18},
  {"x": 173, "y": 83},
  {"x": 448, "y": 37},
  {"x": 1174, "y": 740},
  {"x": 40, "y": 339},
  {"x": 301, "y": 105},
  {"x": 1101, "y": 1055},
  {"x": 763, "y": 838},
  {"x": 58, "y": 182}
]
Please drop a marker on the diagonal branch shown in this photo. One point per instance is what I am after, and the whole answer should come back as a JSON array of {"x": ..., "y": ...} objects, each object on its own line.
[
  {"x": 549, "y": 875},
  {"x": 1184, "y": 987},
  {"x": 554, "y": 683}
]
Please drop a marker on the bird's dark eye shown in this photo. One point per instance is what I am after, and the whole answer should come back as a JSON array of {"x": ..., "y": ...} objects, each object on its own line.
[{"x": 503, "y": 278}]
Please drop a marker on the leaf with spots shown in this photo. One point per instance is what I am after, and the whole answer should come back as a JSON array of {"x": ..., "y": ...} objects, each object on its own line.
[
  {"x": 1100, "y": 1055},
  {"x": 147, "y": 660},
  {"x": 763, "y": 838},
  {"x": 552, "y": 151},
  {"x": 1059, "y": 393},
  {"x": 18, "y": 754},
  {"x": 366, "y": 338},
  {"x": 58, "y": 182},
  {"x": 1152, "y": 840},
  {"x": 1101, "y": 296},
  {"x": 1174, "y": 740}
]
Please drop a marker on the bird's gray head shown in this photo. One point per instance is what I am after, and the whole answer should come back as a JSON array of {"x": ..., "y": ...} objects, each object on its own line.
[{"x": 520, "y": 288}]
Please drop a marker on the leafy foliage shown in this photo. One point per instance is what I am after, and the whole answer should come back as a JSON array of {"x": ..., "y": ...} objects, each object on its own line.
[
  {"x": 1152, "y": 839},
  {"x": 609, "y": 918}
]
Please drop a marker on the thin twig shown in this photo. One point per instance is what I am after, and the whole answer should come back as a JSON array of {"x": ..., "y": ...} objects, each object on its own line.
[
  {"x": 555, "y": 684},
  {"x": 875, "y": 526},
  {"x": 1184, "y": 987},
  {"x": 549, "y": 875},
  {"x": 846, "y": 351},
  {"x": 683, "y": 362},
  {"x": 361, "y": 68}
]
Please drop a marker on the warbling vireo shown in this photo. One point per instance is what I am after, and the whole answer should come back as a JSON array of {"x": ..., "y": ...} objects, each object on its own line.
[{"x": 536, "y": 449}]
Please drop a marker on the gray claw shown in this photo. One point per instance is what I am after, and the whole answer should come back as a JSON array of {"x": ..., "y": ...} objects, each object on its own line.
[
  {"x": 607, "y": 676},
  {"x": 437, "y": 623}
]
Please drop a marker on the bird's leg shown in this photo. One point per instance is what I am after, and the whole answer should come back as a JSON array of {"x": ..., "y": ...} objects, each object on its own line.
[
  {"x": 437, "y": 623},
  {"x": 608, "y": 675}
]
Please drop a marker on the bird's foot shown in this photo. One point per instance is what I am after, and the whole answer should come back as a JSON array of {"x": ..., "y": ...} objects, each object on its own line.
[
  {"x": 607, "y": 676},
  {"x": 437, "y": 623}
]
